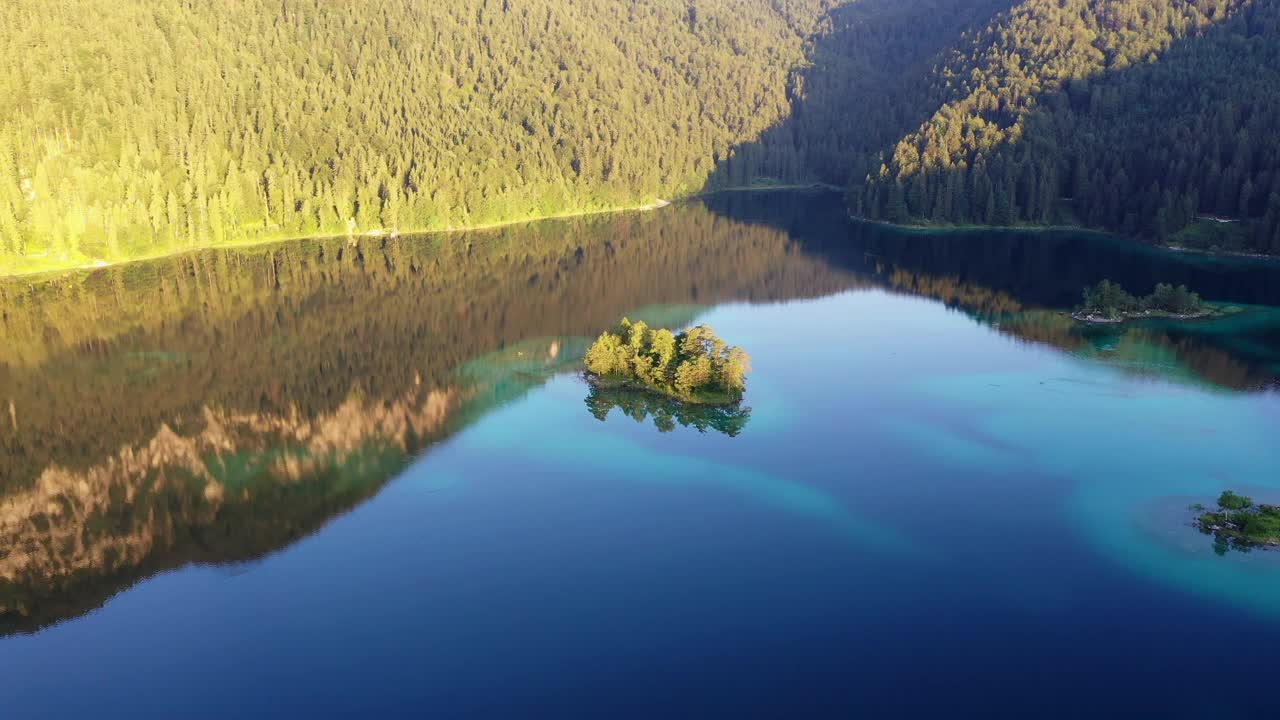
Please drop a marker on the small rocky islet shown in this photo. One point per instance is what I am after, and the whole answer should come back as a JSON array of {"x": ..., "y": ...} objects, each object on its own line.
[{"x": 1240, "y": 522}]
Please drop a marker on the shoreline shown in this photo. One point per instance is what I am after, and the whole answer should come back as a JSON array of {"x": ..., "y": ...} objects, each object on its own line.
[
  {"x": 1218, "y": 253},
  {"x": 96, "y": 264},
  {"x": 656, "y": 204},
  {"x": 942, "y": 229},
  {"x": 1092, "y": 319}
]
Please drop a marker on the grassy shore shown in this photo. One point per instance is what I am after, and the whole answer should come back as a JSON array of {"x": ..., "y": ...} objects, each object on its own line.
[
  {"x": 1207, "y": 313},
  {"x": 31, "y": 267},
  {"x": 1192, "y": 239},
  {"x": 940, "y": 228},
  {"x": 1179, "y": 243}
]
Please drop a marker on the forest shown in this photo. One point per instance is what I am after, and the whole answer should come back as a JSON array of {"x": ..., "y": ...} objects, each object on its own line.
[
  {"x": 1111, "y": 301},
  {"x": 1152, "y": 118},
  {"x": 137, "y": 128},
  {"x": 167, "y": 126}
]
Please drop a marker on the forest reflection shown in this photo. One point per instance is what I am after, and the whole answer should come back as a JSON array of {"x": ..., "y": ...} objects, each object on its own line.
[{"x": 217, "y": 406}]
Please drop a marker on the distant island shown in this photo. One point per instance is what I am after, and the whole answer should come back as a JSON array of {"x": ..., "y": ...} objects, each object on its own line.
[
  {"x": 1108, "y": 302},
  {"x": 694, "y": 366},
  {"x": 1240, "y": 522}
]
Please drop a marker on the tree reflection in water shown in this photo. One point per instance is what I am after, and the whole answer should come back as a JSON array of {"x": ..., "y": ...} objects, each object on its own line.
[{"x": 667, "y": 412}]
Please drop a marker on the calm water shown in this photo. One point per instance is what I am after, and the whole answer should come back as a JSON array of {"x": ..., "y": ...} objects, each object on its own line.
[{"x": 331, "y": 479}]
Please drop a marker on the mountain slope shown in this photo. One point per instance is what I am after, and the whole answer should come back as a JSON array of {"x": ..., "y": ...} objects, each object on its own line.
[
  {"x": 136, "y": 127},
  {"x": 1133, "y": 115}
]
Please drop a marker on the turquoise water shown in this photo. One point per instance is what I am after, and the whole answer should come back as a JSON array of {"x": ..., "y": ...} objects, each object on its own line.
[{"x": 934, "y": 508}]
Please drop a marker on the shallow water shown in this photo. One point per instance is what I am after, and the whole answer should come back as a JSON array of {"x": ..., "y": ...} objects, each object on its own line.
[{"x": 321, "y": 479}]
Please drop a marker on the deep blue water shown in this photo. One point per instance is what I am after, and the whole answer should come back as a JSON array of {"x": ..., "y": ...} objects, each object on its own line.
[{"x": 933, "y": 511}]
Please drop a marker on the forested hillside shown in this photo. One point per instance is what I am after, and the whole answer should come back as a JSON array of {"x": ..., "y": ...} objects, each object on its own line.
[
  {"x": 141, "y": 127},
  {"x": 137, "y": 127},
  {"x": 1132, "y": 115},
  {"x": 868, "y": 82}
]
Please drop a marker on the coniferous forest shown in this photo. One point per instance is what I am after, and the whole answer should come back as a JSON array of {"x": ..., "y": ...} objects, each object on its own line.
[
  {"x": 138, "y": 127},
  {"x": 131, "y": 129},
  {"x": 1140, "y": 116}
]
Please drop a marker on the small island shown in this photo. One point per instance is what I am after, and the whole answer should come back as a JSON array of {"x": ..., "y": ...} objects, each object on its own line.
[
  {"x": 1108, "y": 302},
  {"x": 694, "y": 366},
  {"x": 1240, "y": 522}
]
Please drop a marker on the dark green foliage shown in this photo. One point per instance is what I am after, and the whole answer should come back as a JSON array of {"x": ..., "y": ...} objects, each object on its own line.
[
  {"x": 868, "y": 83},
  {"x": 1228, "y": 500},
  {"x": 1177, "y": 300},
  {"x": 1219, "y": 235},
  {"x": 1109, "y": 300},
  {"x": 1133, "y": 115},
  {"x": 693, "y": 366}
]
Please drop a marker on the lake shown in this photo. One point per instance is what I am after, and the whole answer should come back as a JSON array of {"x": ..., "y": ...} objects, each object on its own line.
[{"x": 364, "y": 478}]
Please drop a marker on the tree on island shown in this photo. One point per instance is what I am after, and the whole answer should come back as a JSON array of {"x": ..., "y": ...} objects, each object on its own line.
[
  {"x": 1239, "y": 524},
  {"x": 1110, "y": 300},
  {"x": 695, "y": 365}
]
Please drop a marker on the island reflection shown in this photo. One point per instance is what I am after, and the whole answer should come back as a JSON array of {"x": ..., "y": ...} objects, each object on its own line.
[{"x": 666, "y": 412}]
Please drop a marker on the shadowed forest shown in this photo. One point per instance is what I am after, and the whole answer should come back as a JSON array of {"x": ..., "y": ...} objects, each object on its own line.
[{"x": 1149, "y": 119}]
